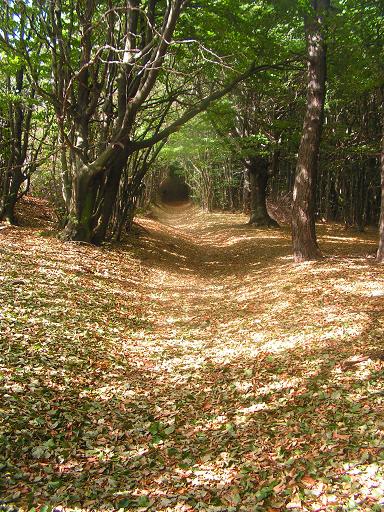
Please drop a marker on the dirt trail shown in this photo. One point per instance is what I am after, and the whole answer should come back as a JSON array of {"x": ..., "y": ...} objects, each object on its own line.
[
  {"x": 216, "y": 278},
  {"x": 219, "y": 240},
  {"x": 199, "y": 265},
  {"x": 192, "y": 367}
]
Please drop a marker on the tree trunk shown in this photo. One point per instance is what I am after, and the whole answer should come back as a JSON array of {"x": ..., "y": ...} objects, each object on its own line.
[
  {"x": 66, "y": 183},
  {"x": 346, "y": 187},
  {"x": 305, "y": 245},
  {"x": 360, "y": 202},
  {"x": 7, "y": 210},
  {"x": 93, "y": 197},
  {"x": 328, "y": 197},
  {"x": 380, "y": 252},
  {"x": 110, "y": 195},
  {"x": 19, "y": 119},
  {"x": 81, "y": 222},
  {"x": 246, "y": 190},
  {"x": 258, "y": 178}
]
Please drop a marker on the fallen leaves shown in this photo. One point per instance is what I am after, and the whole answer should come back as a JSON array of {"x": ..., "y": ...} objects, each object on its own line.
[{"x": 206, "y": 378}]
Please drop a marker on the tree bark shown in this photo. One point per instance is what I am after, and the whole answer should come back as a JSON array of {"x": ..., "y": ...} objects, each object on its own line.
[
  {"x": 20, "y": 117},
  {"x": 380, "y": 252},
  {"x": 246, "y": 190},
  {"x": 80, "y": 223},
  {"x": 258, "y": 177},
  {"x": 110, "y": 195},
  {"x": 7, "y": 209},
  {"x": 305, "y": 245}
]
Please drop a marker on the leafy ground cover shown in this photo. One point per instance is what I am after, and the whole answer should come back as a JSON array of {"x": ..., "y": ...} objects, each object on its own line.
[{"x": 193, "y": 367}]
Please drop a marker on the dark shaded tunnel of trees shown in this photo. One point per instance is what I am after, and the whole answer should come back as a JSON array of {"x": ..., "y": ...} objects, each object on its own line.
[{"x": 174, "y": 190}]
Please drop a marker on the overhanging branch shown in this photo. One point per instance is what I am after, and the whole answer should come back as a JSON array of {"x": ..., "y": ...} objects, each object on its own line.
[{"x": 204, "y": 104}]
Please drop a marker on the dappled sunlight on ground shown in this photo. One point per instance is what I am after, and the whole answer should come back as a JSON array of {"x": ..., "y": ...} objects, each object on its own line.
[{"x": 192, "y": 367}]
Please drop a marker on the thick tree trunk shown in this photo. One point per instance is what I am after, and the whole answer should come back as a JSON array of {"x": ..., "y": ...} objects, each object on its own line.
[
  {"x": 258, "y": 177},
  {"x": 81, "y": 222},
  {"x": 380, "y": 252},
  {"x": 305, "y": 245},
  {"x": 109, "y": 199},
  {"x": 110, "y": 195},
  {"x": 93, "y": 196}
]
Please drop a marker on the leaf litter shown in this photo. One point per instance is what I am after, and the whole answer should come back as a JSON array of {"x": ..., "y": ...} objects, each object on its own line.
[{"x": 192, "y": 367}]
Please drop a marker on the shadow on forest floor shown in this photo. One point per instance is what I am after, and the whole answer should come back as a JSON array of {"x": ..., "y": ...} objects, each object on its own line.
[{"x": 197, "y": 369}]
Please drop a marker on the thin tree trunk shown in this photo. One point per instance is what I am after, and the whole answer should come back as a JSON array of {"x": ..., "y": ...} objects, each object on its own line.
[
  {"x": 346, "y": 185},
  {"x": 305, "y": 245},
  {"x": 246, "y": 192},
  {"x": 328, "y": 196},
  {"x": 65, "y": 175},
  {"x": 380, "y": 252},
  {"x": 361, "y": 181},
  {"x": 20, "y": 118}
]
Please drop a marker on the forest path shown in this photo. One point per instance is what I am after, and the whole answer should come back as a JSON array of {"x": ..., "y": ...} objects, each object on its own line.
[
  {"x": 193, "y": 367},
  {"x": 217, "y": 279},
  {"x": 200, "y": 263}
]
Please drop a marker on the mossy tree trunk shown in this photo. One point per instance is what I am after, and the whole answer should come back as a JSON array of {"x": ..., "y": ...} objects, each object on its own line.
[
  {"x": 93, "y": 196},
  {"x": 112, "y": 184},
  {"x": 81, "y": 213}
]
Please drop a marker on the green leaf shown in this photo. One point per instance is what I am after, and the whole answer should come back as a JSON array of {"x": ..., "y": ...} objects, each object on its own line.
[
  {"x": 125, "y": 502},
  {"x": 169, "y": 430},
  {"x": 154, "y": 427},
  {"x": 264, "y": 492},
  {"x": 38, "y": 452},
  {"x": 144, "y": 501},
  {"x": 55, "y": 484},
  {"x": 50, "y": 443}
]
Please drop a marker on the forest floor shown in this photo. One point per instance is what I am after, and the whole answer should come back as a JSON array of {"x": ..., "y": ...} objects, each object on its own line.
[{"x": 193, "y": 367}]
